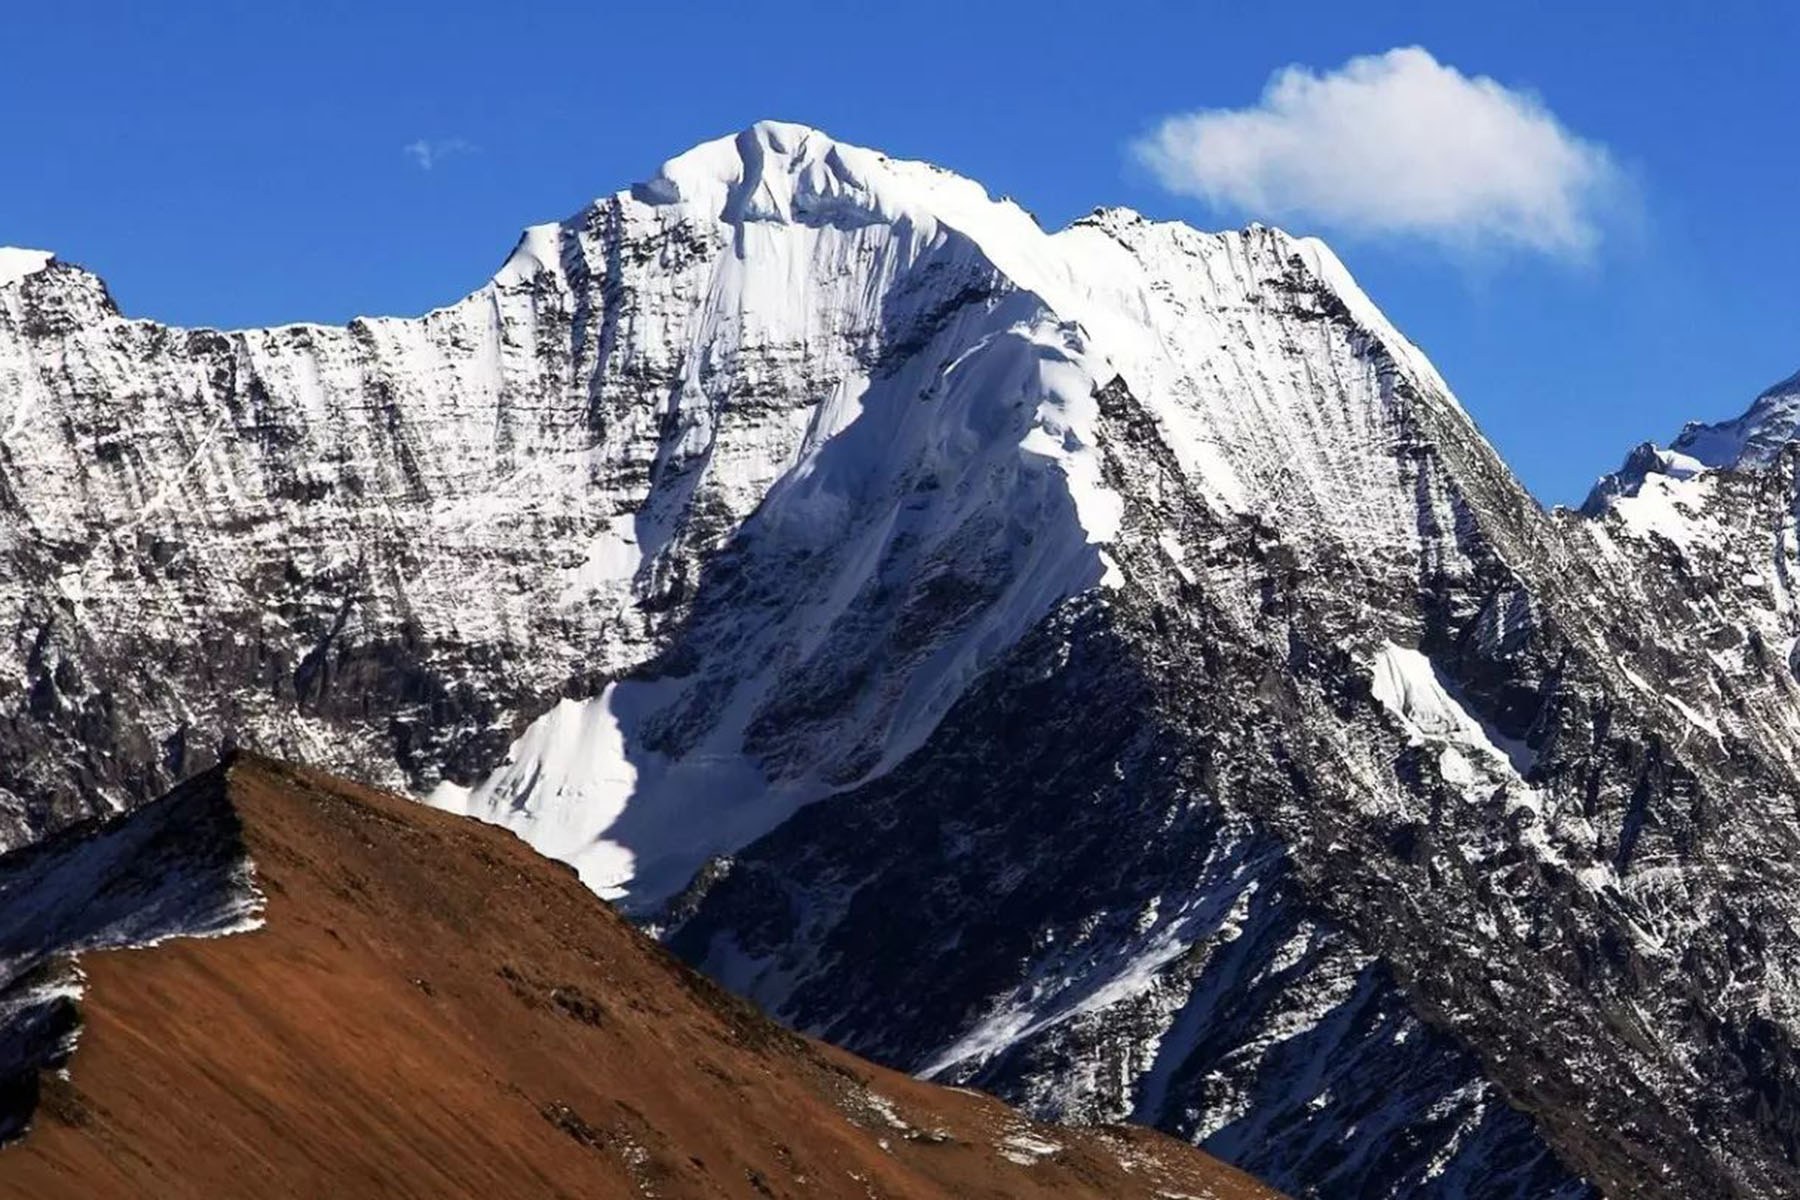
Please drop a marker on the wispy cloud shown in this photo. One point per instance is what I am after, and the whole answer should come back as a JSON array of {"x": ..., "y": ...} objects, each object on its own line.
[
  {"x": 427, "y": 153},
  {"x": 1395, "y": 144}
]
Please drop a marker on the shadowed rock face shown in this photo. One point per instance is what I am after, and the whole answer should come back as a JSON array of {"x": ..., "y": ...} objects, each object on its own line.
[
  {"x": 1432, "y": 927},
  {"x": 1106, "y": 665},
  {"x": 430, "y": 1008}
]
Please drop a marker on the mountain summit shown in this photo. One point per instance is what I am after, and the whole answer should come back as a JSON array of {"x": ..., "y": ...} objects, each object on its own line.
[{"x": 1106, "y": 667}]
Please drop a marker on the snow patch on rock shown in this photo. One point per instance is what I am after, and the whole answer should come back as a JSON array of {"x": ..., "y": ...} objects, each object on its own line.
[{"x": 1407, "y": 684}]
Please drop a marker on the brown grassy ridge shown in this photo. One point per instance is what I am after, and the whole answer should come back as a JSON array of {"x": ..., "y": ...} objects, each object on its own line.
[{"x": 433, "y": 1009}]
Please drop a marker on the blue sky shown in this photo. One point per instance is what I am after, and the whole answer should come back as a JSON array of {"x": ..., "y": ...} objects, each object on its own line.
[{"x": 245, "y": 164}]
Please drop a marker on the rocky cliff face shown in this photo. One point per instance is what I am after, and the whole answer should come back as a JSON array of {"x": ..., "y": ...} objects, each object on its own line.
[{"x": 1107, "y": 666}]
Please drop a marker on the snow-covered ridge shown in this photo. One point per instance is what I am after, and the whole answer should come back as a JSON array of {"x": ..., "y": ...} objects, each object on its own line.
[
  {"x": 1750, "y": 440},
  {"x": 173, "y": 868},
  {"x": 16, "y": 263},
  {"x": 1170, "y": 308}
]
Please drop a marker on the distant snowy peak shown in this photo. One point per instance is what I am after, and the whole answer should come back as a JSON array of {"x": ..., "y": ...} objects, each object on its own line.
[
  {"x": 16, "y": 263},
  {"x": 1646, "y": 459},
  {"x": 1752, "y": 440}
]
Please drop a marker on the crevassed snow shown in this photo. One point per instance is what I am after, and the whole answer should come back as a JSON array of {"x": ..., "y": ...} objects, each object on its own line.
[{"x": 16, "y": 263}]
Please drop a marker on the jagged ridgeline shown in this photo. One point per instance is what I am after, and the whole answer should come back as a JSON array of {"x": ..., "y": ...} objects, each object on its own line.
[{"x": 1105, "y": 666}]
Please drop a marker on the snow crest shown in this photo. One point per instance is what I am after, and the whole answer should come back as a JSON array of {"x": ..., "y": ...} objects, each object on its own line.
[{"x": 16, "y": 263}]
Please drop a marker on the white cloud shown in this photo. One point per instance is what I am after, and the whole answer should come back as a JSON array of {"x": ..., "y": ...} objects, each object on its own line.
[
  {"x": 429, "y": 152},
  {"x": 1395, "y": 144}
]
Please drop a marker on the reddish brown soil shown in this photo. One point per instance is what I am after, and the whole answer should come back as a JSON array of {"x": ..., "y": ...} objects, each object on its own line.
[{"x": 435, "y": 1010}]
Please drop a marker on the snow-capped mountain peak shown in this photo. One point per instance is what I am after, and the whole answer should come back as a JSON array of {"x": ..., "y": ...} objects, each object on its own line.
[
  {"x": 783, "y": 172},
  {"x": 780, "y": 173},
  {"x": 1106, "y": 663}
]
